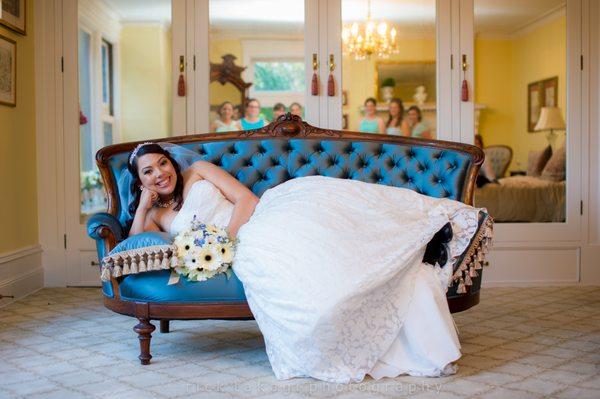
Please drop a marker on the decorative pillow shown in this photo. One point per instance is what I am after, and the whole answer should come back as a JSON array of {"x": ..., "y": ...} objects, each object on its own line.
[
  {"x": 556, "y": 168},
  {"x": 139, "y": 253},
  {"x": 537, "y": 161}
]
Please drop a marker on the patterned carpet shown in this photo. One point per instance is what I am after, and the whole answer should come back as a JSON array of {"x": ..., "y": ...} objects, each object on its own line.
[{"x": 518, "y": 343}]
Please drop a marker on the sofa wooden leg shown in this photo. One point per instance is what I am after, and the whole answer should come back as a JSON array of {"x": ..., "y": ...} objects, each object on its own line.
[
  {"x": 144, "y": 330},
  {"x": 164, "y": 326}
]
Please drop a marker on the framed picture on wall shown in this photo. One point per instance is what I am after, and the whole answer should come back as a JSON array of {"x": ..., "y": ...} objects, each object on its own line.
[
  {"x": 535, "y": 101},
  {"x": 13, "y": 15},
  {"x": 8, "y": 71},
  {"x": 551, "y": 92},
  {"x": 543, "y": 93}
]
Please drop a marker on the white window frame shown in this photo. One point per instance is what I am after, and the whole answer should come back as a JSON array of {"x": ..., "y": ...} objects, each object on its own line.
[
  {"x": 105, "y": 116},
  {"x": 272, "y": 50}
]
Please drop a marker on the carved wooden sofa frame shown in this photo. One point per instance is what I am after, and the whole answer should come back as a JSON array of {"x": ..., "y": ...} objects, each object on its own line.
[{"x": 108, "y": 231}]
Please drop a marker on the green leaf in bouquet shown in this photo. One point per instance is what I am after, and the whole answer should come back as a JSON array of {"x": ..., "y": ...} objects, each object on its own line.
[{"x": 228, "y": 273}]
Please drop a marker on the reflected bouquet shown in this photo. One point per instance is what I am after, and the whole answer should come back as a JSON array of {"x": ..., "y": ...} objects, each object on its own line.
[{"x": 201, "y": 252}]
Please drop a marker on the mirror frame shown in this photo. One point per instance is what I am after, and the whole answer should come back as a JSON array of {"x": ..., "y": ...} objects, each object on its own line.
[{"x": 228, "y": 72}]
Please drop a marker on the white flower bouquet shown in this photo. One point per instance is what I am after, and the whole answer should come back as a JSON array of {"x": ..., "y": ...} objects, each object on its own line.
[{"x": 201, "y": 252}]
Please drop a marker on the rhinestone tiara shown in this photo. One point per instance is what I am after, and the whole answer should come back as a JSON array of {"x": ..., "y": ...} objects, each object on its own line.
[{"x": 135, "y": 151}]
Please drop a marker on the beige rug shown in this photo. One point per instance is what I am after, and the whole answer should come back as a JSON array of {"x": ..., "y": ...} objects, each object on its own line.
[{"x": 518, "y": 343}]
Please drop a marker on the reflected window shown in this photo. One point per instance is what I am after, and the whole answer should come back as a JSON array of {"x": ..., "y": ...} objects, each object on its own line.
[
  {"x": 279, "y": 76},
  {"x": 107, "y": 77}
]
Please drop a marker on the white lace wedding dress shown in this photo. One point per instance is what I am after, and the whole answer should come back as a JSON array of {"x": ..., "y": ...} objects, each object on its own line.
[{"x": 333, "y": 274}]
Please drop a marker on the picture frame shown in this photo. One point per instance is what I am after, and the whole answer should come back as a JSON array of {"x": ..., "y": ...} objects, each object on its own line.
[
  {"x": 534, "y": 104},
  {"x": 551, "y": 92},
  {"x": 543, "y": 93},
  {"x": 8, "y": 72},
  {"x": 14, "y": 15},
  {"x": 408, "y": 75}
]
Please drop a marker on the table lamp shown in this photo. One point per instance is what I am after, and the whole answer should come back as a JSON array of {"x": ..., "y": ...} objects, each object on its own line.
[{"x": 550, "y": 119}]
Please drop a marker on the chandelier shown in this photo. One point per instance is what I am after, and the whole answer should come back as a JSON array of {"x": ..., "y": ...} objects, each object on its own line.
[{"x": 371, "y": 37}]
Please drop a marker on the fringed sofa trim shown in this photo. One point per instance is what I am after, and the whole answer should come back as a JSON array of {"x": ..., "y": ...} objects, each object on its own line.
[
  {"x": 160, "y": 257},
  {"x": 474, "y": 259},
  {"x": 134, "y": 261}
]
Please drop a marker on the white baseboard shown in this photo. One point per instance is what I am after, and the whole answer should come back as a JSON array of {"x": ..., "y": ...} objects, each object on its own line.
[
  {"x": 517, "y": 284},
  {"x": 55, "y": 267},
  {"x": 21, "y": 273}
]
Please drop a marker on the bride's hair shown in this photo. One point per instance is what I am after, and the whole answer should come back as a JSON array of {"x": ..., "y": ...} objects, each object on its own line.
[{"x": 152, "y": 148}]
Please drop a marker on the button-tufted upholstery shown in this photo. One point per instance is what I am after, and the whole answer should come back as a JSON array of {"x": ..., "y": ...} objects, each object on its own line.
[
  {"x": 264, "y": 158},
  {"x": 262, "y": 164}
]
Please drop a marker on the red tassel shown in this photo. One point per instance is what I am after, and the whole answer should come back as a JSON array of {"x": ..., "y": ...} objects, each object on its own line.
[
  {"x": 82, "y": 118},
  {"x": 464, "y": 92},
  {"x": 330, "y": 86},
  {"x": 314, "y": 85},
  {"x": 181, "y": 86}
]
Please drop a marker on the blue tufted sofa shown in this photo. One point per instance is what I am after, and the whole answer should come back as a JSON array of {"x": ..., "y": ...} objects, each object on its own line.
[{"x": 261, "y": 159}]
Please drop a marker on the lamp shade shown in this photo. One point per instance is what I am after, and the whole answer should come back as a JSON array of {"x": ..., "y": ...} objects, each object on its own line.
[{"x": 550, "y": 119}]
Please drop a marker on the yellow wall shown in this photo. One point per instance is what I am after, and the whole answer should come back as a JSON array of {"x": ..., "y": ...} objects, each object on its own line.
[
  {"x": 494, "y": 89},
  {"x": 18, "y": 204},
  {"x": 359, "y": 76},
  {"x": 504, "y": 68},
  {"x": 146, "y": 87}
]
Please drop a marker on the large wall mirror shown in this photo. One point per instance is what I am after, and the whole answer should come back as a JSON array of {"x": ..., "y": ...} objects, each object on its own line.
[
  {"x": 124, "y": 66},
  {"x": 389, "y": 88},
  {"x": 266, "y": 41},
  {"x": 521, "y": 76}
]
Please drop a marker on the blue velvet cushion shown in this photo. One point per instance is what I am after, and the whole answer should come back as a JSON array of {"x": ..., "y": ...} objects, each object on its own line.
[
  {"x": 262, "y": 164},
  {"x": 146, "y": 239},
  {"x": 152, "y": 286}
]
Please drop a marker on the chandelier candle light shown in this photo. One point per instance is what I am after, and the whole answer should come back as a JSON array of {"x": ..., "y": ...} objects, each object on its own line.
[{"x": 372, "y": 37}]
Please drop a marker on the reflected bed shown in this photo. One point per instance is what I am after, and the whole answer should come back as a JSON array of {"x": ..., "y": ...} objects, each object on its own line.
[{"x": 523, "y": 199}]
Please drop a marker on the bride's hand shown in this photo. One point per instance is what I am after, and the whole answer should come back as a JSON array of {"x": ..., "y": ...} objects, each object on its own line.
[
  {"x": 147, "y": 198},
  {"x": 228, "y": 231}
]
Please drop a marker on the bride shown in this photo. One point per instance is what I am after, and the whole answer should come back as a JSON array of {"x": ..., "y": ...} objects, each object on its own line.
[{"x": 332, "y": 269}]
